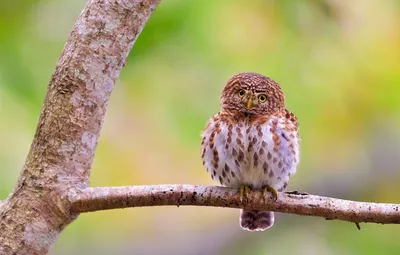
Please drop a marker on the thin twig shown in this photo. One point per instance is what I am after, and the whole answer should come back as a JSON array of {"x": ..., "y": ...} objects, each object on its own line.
[{"x": 104, "y": 198}]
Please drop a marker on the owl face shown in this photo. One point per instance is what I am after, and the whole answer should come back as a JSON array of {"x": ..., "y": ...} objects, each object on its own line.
[{"x": 252, "y": 93}]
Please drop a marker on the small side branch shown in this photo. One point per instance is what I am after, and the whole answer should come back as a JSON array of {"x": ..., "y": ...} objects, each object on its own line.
[{"x": 104, "y": 198}]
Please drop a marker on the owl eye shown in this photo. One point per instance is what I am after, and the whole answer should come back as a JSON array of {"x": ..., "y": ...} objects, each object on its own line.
[
  {"x": 241, "y": 93},
  {"x": 262, "y": 98}
]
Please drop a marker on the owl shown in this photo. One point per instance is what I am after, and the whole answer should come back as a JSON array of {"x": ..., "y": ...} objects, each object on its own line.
[{"x": 252, "y": 143}]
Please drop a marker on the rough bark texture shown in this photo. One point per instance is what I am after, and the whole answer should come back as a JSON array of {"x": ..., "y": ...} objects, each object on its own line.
[
  {"x": 95, "y": 199},
  {"x": 62, "y": 151}
]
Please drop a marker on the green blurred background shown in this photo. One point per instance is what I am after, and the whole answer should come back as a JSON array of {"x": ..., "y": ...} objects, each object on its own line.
[{"x": 337, "y": 61}]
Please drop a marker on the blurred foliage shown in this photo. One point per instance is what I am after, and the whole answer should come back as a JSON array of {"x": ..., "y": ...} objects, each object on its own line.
[{"x": 337, "y": 61}]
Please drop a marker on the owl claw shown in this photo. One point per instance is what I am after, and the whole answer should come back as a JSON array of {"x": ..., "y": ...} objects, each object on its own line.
[
  {"x": 244, "y": 192},
  {"x": 269, "y": 189}
]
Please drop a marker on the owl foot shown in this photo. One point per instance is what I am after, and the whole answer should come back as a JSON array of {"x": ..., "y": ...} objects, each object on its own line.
[
  {"x": 269, "y": 189},
  {"x": 244, "y": 191}
]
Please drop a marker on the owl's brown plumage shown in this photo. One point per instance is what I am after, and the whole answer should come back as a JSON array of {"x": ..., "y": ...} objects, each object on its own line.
[
  {"x": 253, "y": 141},
  {"x": 255, "y": 84}
]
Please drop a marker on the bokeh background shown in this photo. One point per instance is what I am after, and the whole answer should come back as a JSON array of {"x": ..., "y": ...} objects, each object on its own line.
[{"x": 337, "y": 61}]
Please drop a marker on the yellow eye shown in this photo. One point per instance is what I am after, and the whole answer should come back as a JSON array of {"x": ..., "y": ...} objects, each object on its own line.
[
  {"x": 241, "y": 93},
  {"x": 262, "y": 98}
]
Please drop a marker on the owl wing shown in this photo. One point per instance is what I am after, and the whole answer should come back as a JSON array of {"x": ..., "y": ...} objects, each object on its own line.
[{"x": 291, "y": 118}]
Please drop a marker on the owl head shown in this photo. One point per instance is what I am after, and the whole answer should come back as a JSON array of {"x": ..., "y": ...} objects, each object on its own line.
[{"x": 252, "y": 93}]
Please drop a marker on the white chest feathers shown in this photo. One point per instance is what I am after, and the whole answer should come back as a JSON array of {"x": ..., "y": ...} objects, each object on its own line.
[{"x": 257, "y": 154}]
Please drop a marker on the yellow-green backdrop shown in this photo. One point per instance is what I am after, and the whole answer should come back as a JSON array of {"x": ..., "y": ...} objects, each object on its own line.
[{"x": 337, "y": 61}]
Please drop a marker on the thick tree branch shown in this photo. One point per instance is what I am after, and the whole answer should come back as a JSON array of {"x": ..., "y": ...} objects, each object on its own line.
[
  {"x": 103, "y": 198},
  {"x": 69, "y": 126}
]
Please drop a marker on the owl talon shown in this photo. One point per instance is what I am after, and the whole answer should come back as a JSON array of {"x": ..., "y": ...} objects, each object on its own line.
[
  {"x": 269, "y": 189},
  {"x": 244, "y": 192}
]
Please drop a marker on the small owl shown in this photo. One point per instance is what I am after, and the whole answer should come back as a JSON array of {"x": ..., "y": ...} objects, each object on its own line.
[{"x": 252, "y": 143}]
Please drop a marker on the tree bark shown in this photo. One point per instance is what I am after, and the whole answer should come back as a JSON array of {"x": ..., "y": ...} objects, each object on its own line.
[
  {"x": 104, "y": 198},
  {"x": 62, "y": 151}
]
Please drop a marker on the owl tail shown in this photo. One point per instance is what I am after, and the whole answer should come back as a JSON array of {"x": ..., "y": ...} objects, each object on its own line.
[{"x": 256, "y": 220}]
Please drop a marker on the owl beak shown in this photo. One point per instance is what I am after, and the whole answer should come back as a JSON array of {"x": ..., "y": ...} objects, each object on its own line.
[{"x": 249, "y": 103}]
